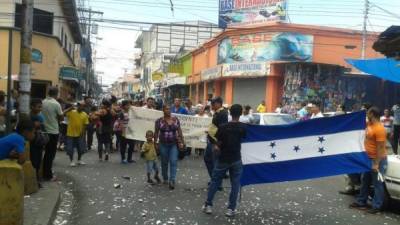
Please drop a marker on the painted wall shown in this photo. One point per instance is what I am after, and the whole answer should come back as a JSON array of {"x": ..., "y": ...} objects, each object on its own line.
[
  {"x": 331, "y": 50},
  {"x": 187, "y": 65},
  {"x": 54, "y": 57},
  {"x": 47, "y": 5},
  {"x": 7, "y": 7}
]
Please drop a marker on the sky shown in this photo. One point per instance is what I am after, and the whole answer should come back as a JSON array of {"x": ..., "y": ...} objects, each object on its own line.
[{"x": 115, "y": 49}]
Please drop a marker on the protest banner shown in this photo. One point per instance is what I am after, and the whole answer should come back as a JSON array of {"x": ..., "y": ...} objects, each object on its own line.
[{"x": 193, "y": 128}]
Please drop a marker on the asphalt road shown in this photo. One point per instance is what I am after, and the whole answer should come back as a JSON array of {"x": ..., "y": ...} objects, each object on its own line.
[{"x": 97, "y": 202}]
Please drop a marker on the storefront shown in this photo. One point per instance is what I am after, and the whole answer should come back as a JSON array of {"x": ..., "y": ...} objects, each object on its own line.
[
  {"x": 280, "y": 63},
  {"x": 71, "y": 80}
]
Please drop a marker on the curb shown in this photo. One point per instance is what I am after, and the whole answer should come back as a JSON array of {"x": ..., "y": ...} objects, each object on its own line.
[{"x": 41, "y": 208}]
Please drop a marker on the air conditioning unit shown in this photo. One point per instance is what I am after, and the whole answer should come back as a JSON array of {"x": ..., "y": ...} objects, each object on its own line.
[{"x": 168, "y": 57}]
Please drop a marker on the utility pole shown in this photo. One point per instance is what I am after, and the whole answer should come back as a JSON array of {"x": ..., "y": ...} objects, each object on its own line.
[
  {"x": 364, "y": 33},
  {"x": 25, "y": 58},
  {"x": 89, "y": 30}
]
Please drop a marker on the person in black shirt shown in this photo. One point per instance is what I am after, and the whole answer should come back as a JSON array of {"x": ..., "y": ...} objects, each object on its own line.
[
  {"x": 228, "y": 158},
  {"x": 220, "y": 117}
]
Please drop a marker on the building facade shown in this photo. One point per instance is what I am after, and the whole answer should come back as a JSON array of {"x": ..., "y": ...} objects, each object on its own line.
[
  {"x": 56, "y": 41},
  {"x": 161, "y": 44},
  {"x": 284, "y": 64}
]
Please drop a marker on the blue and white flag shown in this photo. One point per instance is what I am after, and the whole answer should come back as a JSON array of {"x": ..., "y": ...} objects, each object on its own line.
[{"x": 311, "y": 149}]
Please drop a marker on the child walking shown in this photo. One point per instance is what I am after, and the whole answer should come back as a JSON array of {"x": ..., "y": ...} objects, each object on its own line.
[{"x": 150, "y": 155}]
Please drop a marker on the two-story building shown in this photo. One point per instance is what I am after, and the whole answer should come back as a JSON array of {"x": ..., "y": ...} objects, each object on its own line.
[
  {"x": 55, "y": 46},
  {"x": 283, "y": 63}
]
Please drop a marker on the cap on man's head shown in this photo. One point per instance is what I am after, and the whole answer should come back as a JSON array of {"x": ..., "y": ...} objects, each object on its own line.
[{"x": 217, "y": 100}]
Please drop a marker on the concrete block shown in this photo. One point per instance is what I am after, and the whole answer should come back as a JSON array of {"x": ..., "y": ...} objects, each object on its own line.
[
  {"x": 30, "y": 182},
  {"x": 11, "y": 193}
]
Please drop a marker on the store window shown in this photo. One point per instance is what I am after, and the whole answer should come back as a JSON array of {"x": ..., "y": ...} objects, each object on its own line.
[
  {"x": 42, "y": 20},
  {"x": 62, "y": 35}
]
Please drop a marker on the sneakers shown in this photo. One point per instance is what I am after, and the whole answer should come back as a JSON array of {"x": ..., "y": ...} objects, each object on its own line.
[
  {"x": 356, "y": 205},
  {"x": 230, "y": 213},
  {"x": 124, "y": 162},
  {"x": 373, "y": 211},
  {"x": 72, "y": 164},
  {"x": 172, "y": 185},
  {"x": 81, "y": 163},
  {"x": 157, "y": 178},
  {"x": 207, "y": 209},
  {"x": 150, "y": 181},
  {"x": 131, "y": 161}
]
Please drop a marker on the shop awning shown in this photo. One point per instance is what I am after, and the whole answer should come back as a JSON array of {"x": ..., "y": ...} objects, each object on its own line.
[
  {"x": 388, "y": 42},
  {"x": 384, "y": 68}
]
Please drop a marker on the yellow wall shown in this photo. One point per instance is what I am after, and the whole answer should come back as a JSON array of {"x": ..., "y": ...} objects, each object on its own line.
[
  {"x": 3, "y": 58},
  {"x": 54, "y": 57}
]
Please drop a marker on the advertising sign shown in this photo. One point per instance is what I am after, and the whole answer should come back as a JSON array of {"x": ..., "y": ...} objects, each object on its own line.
[
  {"x": 234, "y": 13},
  {"x": 246, "y": 69},
  {"x": 211, "y": 73},
  {"x": 261, "y": 47}
]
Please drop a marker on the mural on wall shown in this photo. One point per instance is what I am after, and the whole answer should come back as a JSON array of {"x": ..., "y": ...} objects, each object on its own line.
[
  {"x": 233, "y": 13},
  {"x": 263, "y": 47}
]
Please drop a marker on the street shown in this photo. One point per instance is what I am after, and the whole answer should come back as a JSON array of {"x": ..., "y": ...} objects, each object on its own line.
[{"x": 98, "y": 200}]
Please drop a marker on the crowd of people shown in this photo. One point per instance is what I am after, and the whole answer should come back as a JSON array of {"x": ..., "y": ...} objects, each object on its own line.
[{"x": 70, "y": 126}]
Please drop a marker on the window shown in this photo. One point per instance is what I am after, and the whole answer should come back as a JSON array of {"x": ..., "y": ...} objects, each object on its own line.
[
  {"x": 65, "y": 41},
  {"x": 42, "y": 20},
  {"x": 62, "y": 35}
]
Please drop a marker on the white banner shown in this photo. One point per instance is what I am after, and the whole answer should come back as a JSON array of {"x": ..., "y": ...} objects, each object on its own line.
[
  {"x": 255, "y": 69},
  {"x": 142, "y": 120}
]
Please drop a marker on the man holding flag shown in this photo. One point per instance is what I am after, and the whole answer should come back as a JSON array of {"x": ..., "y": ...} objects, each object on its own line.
[
  {"x": 228, "y": 158},
  {"x": 375, "y": 141}
]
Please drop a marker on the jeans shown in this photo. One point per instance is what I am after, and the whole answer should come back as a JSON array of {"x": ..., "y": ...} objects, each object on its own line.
[
  {"x": 90, "y": 131},
  {"x": 235, "y": 172},
  {"x": 104, "y": 139},
  {"x": 49, "y": 155},
  {"x": 36, "y": 155},
  {"x": 209, "y": 159},
  {"x": 396, "y": 137},
  {"x": 118, "y": 136},
  {"x": 124, "y": 144},
  {"x": 169, "y": 155},
  {"x": 151, "y": 166},
  {"x": 369, "y": 178},
  {"x": 72, "y": 143}
]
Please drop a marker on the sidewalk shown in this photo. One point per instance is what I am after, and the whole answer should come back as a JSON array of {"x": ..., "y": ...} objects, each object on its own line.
[{"x": 41, "y": 207}]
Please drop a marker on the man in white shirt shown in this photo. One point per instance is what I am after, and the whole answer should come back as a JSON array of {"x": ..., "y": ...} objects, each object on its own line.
[
  {"x": 246, "y": 118},
  {"x": 52, "y": 114},
  {"x": 316, "y": 110}
]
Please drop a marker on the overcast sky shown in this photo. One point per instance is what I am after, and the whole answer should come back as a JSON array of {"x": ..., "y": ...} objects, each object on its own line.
[{"x": 117, "y": 45}]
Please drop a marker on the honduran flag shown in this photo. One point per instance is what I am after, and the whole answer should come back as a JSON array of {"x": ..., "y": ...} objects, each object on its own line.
[{"x": 311, "y": 149}]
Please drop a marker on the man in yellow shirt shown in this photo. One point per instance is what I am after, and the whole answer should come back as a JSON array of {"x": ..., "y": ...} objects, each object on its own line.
[
  {"x": 261, "y": 107},
  {"x": 76, "y": 131}
]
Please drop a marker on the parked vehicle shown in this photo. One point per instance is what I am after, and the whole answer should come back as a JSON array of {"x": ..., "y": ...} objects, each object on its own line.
[
  {"x": 392, "y": 179},
  {"x": 272, "y": 119}
]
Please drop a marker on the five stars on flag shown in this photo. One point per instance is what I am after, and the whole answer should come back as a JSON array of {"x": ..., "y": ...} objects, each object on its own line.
[{"x": 296, "y": 148}]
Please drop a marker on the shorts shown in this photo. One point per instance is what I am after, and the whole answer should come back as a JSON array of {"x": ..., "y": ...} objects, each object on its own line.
[
  {"x": 74, "y": 142},
  {"x": 151, "y": 165}
]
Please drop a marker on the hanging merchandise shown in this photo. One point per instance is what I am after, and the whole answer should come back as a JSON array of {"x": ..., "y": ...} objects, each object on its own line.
[{"x": 323, "y": 83}]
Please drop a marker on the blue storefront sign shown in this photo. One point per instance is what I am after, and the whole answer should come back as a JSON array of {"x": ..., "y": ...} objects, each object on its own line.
[
  {"x": 70, "y": 73},
  {"x": 37, "y": 56}
]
